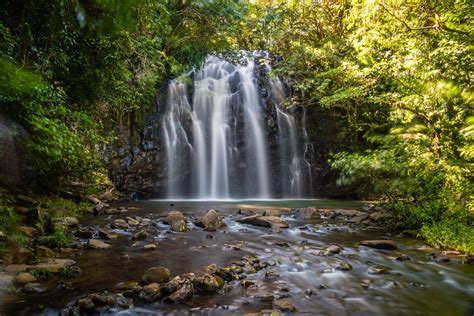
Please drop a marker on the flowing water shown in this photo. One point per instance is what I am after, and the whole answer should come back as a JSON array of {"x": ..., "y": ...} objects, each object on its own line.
[
  {"x": 420, "y": 286},
  {"x": 216, "y": 137}
]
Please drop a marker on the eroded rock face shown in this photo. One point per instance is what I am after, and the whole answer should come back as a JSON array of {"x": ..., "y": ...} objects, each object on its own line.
[{"x": 211, "y": 221}]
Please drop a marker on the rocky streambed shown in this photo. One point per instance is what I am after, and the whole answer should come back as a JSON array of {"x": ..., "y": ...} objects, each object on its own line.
[{"x": 230, "y": 258}]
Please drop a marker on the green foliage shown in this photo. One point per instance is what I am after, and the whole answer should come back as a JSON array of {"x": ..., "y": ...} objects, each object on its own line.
[
  {"x": 58, "y": 207},
  {"x": 41, "y": 275},
  {"x": 59, "y": 239}
]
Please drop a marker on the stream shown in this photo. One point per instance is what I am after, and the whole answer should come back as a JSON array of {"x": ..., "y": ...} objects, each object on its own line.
[{"x": 308, "y": 280}]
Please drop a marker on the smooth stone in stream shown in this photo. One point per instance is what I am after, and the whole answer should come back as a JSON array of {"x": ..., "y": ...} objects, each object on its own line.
[
  {"x": 107, "y": 234},
  {"x": 184, "y": 293},
  {"x": 25, "y": 277},
  {"x": 341, "y": 265},
  {"x": 211, "y": 221},
  {"x": 140, "y": 235},
  {"x": 208, "y": 283},
  {"x": 264, "y": 221},
  {"x": 34, "y": 288},
  {"x": 97, "y": 244},
  {"x": 176, "y": 220},
  {"x": 384, "y": 244},
  {"x": 52, "y": 265},
  {"x": 120, "y": 224},
  {"x": 156, "y": 275},
  {"x": 284, "y": 305},
  {"x": 149, "y": 247},
  {"x": 331, "y": 250},
  {"x": 379, "y": 269}
]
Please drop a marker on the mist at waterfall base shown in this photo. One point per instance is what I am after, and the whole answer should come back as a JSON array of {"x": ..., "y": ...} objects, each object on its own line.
[{"x": 228, "y": 135}]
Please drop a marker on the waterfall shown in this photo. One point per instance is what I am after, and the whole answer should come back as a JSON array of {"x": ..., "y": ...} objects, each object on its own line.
[{"x": 217, "y": 140}]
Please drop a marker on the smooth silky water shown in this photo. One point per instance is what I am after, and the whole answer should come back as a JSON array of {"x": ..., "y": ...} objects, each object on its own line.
[{"x": 423, "y": 287}]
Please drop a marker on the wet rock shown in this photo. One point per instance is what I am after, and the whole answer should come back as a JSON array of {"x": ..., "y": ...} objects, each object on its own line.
[
  {"x": 132, "y": 221},
  {"x": 107, "y": 234},
  {"x": 341, "y": 265},
  {"x": 307, "y": 213},
  {"x": 211, "y": 221},
  {"x": 227, "y": 274},
  {"x": 84, "y": 233},
  {"x": 358, "y": 219},
  {"x": 403, "y": 257},
  {"x": 272, "y": 274},
  {"x": 264, "y": 221},
  {"x": 284, "y": 305},
  {"x": 149, "y": 247},
  {"x": 52, "y": 265},
  {"x": 212, "y": 268},
  {"x": 379, "y": 217},
  {"x": 34, "y": 288},
  {"x": 23, "y": 256},
  {"x": 151, "y": 292},
  {"x": 380, "y": 244},
  {"x": 176, "y": 220},
  {"x": 44, "y": 252},
  {"x": 208, "y": 283},
  {"x": 247, "y": 283},
  {"x": 64, "y": 222},
  {"x": 102, "y": 299},
  {"x": 184, "y": 293},
  {"x": 276, "y": 212},
  {"x": 265, "y": 312},
  {"x": 25, "y": 277},
  {"x": 28, "y": 231},
  {"x": 264, "y": 297},
  {"x": 171, "y": 286},
  {"x": 15, "y": 268},
  {"x": 120, "y": 224},
  {"x": 140, "y": 235},
  {"x": 379, "y": 269},
  {"x": 331, "y": 250},
  {"x": 97, "y": 244},
  {"x": 156, "y": 275}
]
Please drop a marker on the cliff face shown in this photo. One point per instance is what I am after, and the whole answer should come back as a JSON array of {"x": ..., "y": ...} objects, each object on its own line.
[{"x": 137, "y": 161}]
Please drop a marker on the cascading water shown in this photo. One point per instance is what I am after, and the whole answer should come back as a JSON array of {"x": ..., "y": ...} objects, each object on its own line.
[{"x": 216, "y": 139}]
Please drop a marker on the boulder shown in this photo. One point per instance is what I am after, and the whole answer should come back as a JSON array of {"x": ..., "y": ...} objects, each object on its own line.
[
  {"x": 64, "y": 222},
  {"x": 307, "y": 213},
  {"x": 283, "y": 305},
  {"x": 379, "y": 216},
  {"x": 176, "y": 220},
  {"x": 34, "y": 288},
  {"x": 28, "y": 231},
  {"x": 132, "y": 221},
  {"x": 379, "y": 244},
  {"x": 52, "y": 265},
  {"x": 276, "y": 212},
  {"x": 264, "y": 221},
  {"x": 107, "y": 234},
  {"x": 156, "y": 275},
  {"x": 379, "y": 269},
  {"x": 209, "y": 283},
  {"x": 120, "y": 224},
  {"x": 140, "y": 235},
  {"x": 331, "y": 250},
  {"x": 97, "y": 244},
  {"x": 85, "y": 233},
  {"x": 211, "y": 221},
  {"x": 44, "y": 252},
  {"x": 184, "y": 292},
  {"x": 151, "y": 292},
  {"x": 25, "y": 277},
  {"x": 341, "y": 265},
  {"x": 149, "y": 247},
  {"x": 23, "y": 256}
]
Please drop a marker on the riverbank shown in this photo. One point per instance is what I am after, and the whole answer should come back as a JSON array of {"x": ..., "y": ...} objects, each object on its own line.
[{"x": 324, "y": 260}]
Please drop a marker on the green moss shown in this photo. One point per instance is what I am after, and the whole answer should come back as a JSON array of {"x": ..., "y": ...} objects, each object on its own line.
[{"x": 58, "y": 239}]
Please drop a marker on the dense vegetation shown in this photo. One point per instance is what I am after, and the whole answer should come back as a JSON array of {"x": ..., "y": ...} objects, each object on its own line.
[{"x": 397, "y": 77}]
